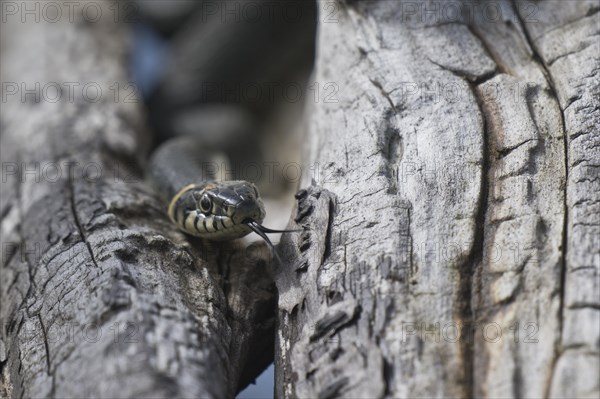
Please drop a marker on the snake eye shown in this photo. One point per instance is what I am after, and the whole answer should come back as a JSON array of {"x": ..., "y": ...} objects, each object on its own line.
[{"x": 205, "y": 203}]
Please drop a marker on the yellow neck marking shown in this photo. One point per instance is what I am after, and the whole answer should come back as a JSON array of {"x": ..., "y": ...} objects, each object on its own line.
[{"x": 171, "y": 210}]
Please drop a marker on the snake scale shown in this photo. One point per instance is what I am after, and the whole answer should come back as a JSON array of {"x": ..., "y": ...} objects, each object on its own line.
[
  {"x": 230, "y": 55},
  {"x": 200, "y": 205}
]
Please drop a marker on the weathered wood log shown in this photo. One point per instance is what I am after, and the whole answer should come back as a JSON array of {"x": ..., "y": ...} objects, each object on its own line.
[
  {"x": 452, "y": 230},
  {"x": 100, "y": 295},
  {"x": 453, "y": 222}
]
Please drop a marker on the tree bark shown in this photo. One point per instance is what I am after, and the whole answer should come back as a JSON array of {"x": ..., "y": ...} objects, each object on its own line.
[
  {"x": 452, "y": 218},
  {"x": 453, "y": 221},
  {"x": 100, "y": 295}
]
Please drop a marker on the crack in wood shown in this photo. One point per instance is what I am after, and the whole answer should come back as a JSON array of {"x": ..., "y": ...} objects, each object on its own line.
[
  {"x": 473, "y": 264},
  {"x": 71, "y": 186},
  {"x": 328, "y": 233},
  {"x": 542, "y": 66},
  {"x": 385, "y": 94},
  {"x": 580, "y": 49},
  {"x": 47, "y": 349},
  {"x": 506, "y": 151},
  {"x": 500, "y": 68}
]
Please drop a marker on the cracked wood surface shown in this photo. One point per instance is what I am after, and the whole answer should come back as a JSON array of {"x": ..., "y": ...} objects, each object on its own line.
[
  {"x": 455, "y": 190},
  {"x": 100, "y": 295}
]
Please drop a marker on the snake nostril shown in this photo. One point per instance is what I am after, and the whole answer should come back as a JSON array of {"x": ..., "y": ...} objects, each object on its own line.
[{"x": 247, "y": 209}]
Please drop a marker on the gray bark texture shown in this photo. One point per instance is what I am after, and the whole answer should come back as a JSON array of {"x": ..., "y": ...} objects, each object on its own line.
[
  {"x": 453, "y": 221},
  {"x": 100, "y": 295}
]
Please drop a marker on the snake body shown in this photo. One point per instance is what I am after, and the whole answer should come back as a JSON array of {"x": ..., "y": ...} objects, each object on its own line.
[
  {"x": 217, "y": 211},
  {"x": 199, "y": 204},
  {"x": 230, "y": 57}
]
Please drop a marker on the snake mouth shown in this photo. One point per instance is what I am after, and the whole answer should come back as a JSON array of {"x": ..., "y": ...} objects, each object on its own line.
[{"x": 262, "y": 232}]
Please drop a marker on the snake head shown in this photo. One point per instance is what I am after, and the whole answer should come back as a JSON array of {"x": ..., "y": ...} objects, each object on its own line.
[
  {"x": 221, "y": 211},
  {"x": 237, "y": 201}
]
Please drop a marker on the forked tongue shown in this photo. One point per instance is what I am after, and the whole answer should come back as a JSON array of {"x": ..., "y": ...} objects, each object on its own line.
[{"x": 262, "y": 230}]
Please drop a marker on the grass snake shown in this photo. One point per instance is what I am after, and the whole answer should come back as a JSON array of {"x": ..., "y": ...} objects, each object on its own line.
[{"x": 199, "y": 204}]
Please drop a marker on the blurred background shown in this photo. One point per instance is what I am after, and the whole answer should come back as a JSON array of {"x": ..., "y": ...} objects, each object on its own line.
[{"x": 234, "y": 75}]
